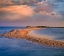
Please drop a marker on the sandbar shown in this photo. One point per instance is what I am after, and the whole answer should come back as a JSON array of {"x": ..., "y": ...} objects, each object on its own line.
[{"x": 25, "y": 34}]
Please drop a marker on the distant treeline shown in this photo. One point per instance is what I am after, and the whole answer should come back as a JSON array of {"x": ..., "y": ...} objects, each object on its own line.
[
  {"x": 36, "y": 26},
  {"x": 42, "y": 27}
]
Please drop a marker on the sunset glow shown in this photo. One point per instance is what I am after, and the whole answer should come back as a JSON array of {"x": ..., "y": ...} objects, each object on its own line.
[{"x": 31, "y": 12}]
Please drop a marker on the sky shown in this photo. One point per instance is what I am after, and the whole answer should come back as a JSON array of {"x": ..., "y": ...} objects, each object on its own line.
[{"x": 32, "y": 13}]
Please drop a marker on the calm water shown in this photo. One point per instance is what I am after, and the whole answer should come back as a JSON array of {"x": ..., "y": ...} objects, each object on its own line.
[
  {"x": 58, "y": 33},
  {"x": 20, "y": 47}
]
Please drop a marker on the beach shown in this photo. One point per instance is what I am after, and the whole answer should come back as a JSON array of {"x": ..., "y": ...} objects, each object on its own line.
[
  {"x": 50, "y": 37},
  {"x": 25, "y": 34},
  {"x": 32, "y": 33}
]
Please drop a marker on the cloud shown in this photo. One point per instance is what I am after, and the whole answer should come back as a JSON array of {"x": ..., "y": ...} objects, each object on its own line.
[
  {"x": 61, "y": 12},
  {"x": 3, "y": 2},
  {"x": 44, "y": 6},
  {"x": 59, "y": 0},
  {"x": 26, "y": 2},
  {"x": 52, "y": 16},
  {"x": 16, "y": 12},
  {"x": 18, "y": 2},
  {"x": 43, "y": 11}
]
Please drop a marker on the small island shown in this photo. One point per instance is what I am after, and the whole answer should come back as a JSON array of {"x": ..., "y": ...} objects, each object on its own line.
[
  {"x": 37, "y": 26},
  {"x": 42, "y": 27}
]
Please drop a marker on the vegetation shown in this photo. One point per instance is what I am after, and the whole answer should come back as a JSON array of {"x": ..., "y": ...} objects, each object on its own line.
[
  {"x": 42, "y": 27},
  {"x": 36, "y": 26}
]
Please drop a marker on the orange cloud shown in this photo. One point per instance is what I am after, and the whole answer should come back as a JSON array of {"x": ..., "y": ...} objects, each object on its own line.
[
  {"x": 42, "y": 11},
  {"x": 22, "y": 10},
  {"x": 16, "y": 13}
]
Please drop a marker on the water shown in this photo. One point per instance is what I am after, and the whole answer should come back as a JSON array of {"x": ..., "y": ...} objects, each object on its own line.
[
  {"x": 7, "y": 29},
  {"x": 57, "y": 33},
  {"x": 20, "y": 47}
]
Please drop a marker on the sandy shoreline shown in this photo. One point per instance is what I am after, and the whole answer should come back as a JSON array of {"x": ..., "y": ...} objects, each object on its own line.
[
  {"x": 32, "y": 33},
  {"x": 24, "y": 34}
]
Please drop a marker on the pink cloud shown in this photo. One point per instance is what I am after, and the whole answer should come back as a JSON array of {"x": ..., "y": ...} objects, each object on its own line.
[
  {"x": 22, "y": 10},
  {"x": 42, "y": 12},
  {"x": 44, "y": 6}
]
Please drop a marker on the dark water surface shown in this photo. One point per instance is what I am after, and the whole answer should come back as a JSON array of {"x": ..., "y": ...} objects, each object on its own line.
[{"x": 20, "y": 47}]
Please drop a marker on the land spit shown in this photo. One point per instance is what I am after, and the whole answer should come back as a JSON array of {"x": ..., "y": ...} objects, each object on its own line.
[{"x": 23, "y": 34}]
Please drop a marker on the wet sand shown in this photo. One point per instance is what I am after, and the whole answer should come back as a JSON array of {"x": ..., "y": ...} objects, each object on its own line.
[{"x": 24, "y": 34}]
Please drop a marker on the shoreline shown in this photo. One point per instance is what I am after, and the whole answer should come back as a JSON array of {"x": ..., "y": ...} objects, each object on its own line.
[
  {"x": 24, "y": 34},
  {"x": 32, "y": 33}
]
